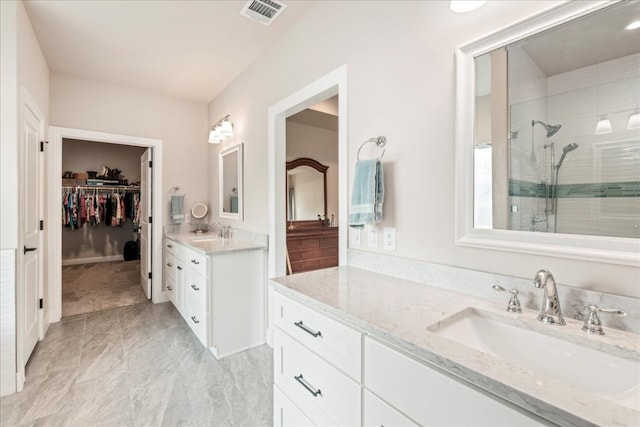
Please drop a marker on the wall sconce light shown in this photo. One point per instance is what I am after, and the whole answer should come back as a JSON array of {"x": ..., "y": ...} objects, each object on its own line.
[
  {"x": 464, "y": 6},
  {"x": 603, "y": 126},
  {"x": 221, "y": 130},
  {"x": 634, "y": 121}
]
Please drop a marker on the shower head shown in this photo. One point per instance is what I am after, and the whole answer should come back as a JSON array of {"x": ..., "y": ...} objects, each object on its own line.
[
  {"x": 551, "y": 129},
  {"x": 567, "y": 148}
]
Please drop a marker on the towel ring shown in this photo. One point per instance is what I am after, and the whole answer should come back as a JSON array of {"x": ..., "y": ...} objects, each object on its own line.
[{"x": 380, "y": 142}]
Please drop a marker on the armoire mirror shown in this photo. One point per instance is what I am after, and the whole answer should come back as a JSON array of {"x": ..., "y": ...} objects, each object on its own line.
[
  {"x": 231, "y": 182},
  {"x": 306, "y": 190},
  {"x": 547, "y": 135}
]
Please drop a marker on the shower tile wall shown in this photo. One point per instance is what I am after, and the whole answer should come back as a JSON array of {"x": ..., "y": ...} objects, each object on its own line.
[{"x": 576, "y": 100}]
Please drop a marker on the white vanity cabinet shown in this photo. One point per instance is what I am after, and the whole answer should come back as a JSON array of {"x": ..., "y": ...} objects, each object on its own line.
[
  {"x": 317, "y": 367},
  {"x": 220, "y": 295},
  {"x": 327, "y": 373}
]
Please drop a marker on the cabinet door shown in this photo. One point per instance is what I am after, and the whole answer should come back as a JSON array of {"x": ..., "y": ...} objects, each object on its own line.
[
  {"x": 179, "y": 285},
  {"x": 377, "y": 412},
  {"x": 285, "y": 413},
  {"x": 431, "y": 397},
  {"x": 195, "y": 288}
]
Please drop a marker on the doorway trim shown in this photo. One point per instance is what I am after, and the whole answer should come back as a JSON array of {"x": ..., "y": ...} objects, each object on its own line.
[
  {"x": 331, "y": 84},
  {"x": 54, "y": 218}
]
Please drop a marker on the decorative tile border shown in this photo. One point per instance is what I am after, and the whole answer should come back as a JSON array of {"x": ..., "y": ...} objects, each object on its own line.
[{"x": 519, "y": 188}]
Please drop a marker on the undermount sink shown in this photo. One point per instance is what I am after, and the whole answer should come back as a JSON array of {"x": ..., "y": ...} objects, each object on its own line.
[
  {"x": 205, "y": 239},
  {"x": 512, "y": 339}
]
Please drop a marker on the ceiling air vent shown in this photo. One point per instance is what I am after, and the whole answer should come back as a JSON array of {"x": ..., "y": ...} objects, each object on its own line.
[{"x": 263, "y": 11}]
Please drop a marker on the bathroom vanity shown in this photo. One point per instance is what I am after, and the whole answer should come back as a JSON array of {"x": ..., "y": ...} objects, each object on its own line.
[
  {"x": 354, "y": 347},
  {"x": 218, "y": 287}
]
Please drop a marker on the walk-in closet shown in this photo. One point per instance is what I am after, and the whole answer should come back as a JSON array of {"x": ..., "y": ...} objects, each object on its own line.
[{"x": 100, "y": 205}]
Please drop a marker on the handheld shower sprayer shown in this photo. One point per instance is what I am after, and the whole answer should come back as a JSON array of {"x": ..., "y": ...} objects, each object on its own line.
[{"x": 566, "y": 149}]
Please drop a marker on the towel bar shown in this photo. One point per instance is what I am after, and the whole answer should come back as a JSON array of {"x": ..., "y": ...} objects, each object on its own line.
[{"x": 380, "y": 142}]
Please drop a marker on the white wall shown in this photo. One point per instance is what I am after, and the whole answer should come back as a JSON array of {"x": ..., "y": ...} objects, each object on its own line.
[
  {"x": 401, "y": 84},
  {"x": 22, "y": 65},
  {"x": 180, "y": 124}
]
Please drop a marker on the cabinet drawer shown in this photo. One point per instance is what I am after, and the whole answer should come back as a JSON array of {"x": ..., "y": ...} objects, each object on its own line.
[
  {"x": 196, "y": 290},
  {"x": 169, "y": 266},
  {"x": 196, "y": 318},
  {"x": 295, "y": 244},
  {"x": 377, "y": 412},
  {"x": 170, "y": 288},
  {"x": 333, "y": 341},
  {"x": 197, "y": 262},
  {"x": 318, "y": 388},
  {"x": 285, "y": 413},
  {"x": 428, "y": 395},
  {"x": 170, "y": 246}
]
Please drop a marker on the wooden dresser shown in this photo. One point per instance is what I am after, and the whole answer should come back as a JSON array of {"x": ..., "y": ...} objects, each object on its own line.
[{"x": 312, "y": 247}]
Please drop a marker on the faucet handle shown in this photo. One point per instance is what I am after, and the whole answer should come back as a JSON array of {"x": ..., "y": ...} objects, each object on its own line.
[
  {"x": 514, "y": 303},
  {"x": 592, "y": 323}
]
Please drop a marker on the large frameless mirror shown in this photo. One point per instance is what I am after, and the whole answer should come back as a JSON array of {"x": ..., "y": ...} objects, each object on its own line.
[
  {"x": 231, "y": 182},
  {"x": 548, "y": 115}
]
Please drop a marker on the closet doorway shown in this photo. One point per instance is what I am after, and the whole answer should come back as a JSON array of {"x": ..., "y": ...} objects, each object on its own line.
[
  {"x": 87, "y": 253},
  {"x": 101, "y": 233}
]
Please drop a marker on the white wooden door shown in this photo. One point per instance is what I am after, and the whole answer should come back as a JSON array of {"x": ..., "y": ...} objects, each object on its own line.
[
  {"x": 145, "y": 221},
  {"x": 32, "y": 250}
]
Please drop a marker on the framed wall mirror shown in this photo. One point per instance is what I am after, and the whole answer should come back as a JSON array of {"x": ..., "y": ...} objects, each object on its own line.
[
  {"x": 306, "y": 190},
  {"x": 231, "y": 182},
  {"x": 548, "y": 135}
]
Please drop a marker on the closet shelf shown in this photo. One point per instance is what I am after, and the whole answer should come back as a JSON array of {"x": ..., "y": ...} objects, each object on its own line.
[{"x": 103, "y": 187}]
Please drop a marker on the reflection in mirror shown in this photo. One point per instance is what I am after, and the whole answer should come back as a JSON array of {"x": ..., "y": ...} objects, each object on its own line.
[
  {"x": 557, "y": 132},
  {"x": 547, "y": 135},
  {"x": 231, "y": 180},
  {"x": 306, "y": 190}
]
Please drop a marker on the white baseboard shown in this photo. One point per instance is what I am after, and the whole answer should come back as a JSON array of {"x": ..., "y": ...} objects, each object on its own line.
[{"x": 77, "y": 261}]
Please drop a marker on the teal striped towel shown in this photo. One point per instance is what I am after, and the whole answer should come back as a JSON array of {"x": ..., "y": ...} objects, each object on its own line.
[{"x": 368, "y": 193}]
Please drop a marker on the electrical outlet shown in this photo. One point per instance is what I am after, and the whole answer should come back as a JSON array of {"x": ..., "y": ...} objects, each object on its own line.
[
  {"x": 355, "y": 236},
  {"x": 372, "y": 238},
  {"x": 389, "y": 239},
  {"x": 187, "y": 217}
]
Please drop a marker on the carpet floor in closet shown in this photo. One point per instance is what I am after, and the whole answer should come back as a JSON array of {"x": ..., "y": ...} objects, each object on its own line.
[{"x": 87, "y": 288}]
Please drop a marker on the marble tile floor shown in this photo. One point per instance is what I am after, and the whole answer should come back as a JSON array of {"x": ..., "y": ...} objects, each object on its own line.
[
  {"x": 138, "y": 366},
  {"x": 100, "y": 286}
]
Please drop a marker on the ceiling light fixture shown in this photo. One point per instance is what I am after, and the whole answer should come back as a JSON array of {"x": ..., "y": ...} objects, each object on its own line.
[
  {"x": 633, "y": 26},
  {"x": 603, "y": 126},
  {"x": 464, "y": 6},
  {"x": 634, "y": 121},
  {"x": 221, "y": 130}
]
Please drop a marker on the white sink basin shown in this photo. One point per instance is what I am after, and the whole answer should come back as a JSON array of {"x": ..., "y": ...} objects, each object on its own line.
[
  {"x": 508, "y": 338},
  {"x": 205, "y": 239}
]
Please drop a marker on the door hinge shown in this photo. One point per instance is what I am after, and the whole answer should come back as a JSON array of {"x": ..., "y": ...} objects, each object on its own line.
[
  {"x": 150, "y": 163},
  {"x": 150, "y": 220},
  {"x": 41, "y": 225},
  {"x": 41, "y": 303},
  {"x": 150, "y": 275},
  {"x": 41, "y": 146}
]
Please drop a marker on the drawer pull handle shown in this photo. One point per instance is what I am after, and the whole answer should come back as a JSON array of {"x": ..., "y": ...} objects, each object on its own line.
[
  {"x": 308, "y": 386},
  {"x": 194, "y": 319},
  {"x": 169, "y": 264},
  {"x": 169, "y": 288},
  {"x": 195, "y": 262},
  {"x": 169, "y": 246},
  {"x": 195, "y": 288},
  {"x": 179, "y": 268},
  {"x": 307, "y": 329}
]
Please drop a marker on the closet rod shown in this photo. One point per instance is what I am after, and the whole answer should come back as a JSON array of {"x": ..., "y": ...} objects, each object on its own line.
[{"x": 102, "y": 187}]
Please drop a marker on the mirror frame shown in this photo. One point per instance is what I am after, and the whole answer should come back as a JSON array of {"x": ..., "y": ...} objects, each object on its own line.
[
  {"x": 614, "y": 250},
  {"x": 239, "y": 148},
  {"x": 306, "y": 161}
]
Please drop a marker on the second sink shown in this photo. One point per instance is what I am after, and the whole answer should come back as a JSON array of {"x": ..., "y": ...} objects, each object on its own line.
[{"x": 612, "y": 377}]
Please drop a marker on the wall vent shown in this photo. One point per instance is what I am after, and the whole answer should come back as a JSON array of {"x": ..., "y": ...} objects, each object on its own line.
[{"x": 263, "y": 11}]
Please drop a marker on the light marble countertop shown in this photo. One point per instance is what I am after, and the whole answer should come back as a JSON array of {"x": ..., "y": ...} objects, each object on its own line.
[
  {"x": 211, "y": 244},
  {"x": 399, "y": 312}
]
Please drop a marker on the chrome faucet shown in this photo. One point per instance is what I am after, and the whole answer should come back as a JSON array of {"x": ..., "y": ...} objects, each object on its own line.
[
  {"x": 220, "y": 228},
  {"x": 551, "y": 312}
]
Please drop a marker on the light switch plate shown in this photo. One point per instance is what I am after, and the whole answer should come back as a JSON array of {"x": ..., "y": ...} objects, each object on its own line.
[
  {"x": 356, "y": 234},
  {"x": 372, "y": 238},
  {"x": 389, "y": 239}
]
